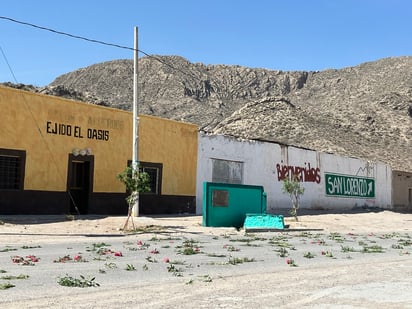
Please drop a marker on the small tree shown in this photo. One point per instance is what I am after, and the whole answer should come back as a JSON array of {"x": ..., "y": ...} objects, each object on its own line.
[
  {"x": 135, "y": 182},
  {"x": 294, "y": 188}
]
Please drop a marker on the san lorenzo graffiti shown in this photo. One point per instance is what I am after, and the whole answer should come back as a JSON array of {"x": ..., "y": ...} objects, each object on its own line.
[{"x": 349, "y": 186}]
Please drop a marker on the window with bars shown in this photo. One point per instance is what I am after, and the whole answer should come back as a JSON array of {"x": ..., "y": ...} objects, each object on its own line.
[
  {"x": 12, "y": 164},
  {"x": 154, "y": 170}
]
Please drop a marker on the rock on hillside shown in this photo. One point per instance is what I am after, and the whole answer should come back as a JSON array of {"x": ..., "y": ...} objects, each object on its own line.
[
  {"x": 172, "y": 87},
  {"x": 363, "y": 111}
]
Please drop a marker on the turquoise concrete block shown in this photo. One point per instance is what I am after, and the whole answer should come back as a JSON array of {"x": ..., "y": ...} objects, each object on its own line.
[{"x": 264, "y": 221}]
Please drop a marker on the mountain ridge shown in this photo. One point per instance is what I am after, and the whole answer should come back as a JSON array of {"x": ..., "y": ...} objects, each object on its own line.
[{"x": 362, "y": 111}]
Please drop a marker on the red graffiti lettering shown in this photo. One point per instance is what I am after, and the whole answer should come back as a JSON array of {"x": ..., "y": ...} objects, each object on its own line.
[{"x": 302, "y": 174}]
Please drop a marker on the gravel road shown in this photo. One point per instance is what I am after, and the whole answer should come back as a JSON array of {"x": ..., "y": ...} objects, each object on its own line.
[{"x": 173, "y": 266}]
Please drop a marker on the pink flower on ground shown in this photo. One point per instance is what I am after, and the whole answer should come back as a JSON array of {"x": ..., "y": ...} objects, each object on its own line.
[
  {"x": 32, "y": 258},
  {"x": 139, "y": 243},
  {"x": 166, "y": 260},
  {"x": 17, "y": 259},
  {"x": 118, "y": 253},
  {"x": 77, "y": 258},
  {"x": 154, "y": 251}
]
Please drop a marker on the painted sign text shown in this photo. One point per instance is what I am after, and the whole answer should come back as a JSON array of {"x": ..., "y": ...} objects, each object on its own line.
[
  {"x": 349, "y": 186},
  {"x": 76, "y": 131},
  {"x": 302, "y": 174}
]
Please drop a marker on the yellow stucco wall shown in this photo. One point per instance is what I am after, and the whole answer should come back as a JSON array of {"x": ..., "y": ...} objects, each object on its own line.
[
  {"x": 174, "y": 144},
  {"x": 28, "y": 121}
]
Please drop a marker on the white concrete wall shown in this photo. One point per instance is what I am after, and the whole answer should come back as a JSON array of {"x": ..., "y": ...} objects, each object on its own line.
[{"x": 260, "y": 167}]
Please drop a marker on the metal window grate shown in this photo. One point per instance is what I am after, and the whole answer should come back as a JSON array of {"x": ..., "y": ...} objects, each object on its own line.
[
  {"x": 220, "y": 198},
  {"x": 153, "y": 173},
  {"x": 10, "y": 172},
  {"x": 225, "y": 171}
]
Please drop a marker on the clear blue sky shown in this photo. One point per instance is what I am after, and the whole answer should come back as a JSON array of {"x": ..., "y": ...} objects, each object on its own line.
[{"x": 274, "y": 34}]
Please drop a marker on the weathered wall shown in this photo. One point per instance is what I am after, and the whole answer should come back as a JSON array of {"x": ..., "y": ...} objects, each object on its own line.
[
  {"x": 402, "y": 190},
  {"x": 49, "y": 128},
  {"x": 174, "y": 144},
  {"x": 267, "y": 164}
]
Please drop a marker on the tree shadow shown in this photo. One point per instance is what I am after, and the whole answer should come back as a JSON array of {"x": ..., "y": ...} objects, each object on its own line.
[
  {"x": 44, "y": 219},
  {"x": 354, "y": 210}
]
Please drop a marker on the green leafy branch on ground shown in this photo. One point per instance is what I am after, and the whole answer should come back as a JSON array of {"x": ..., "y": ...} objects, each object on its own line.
[{"x": 81, "y": 282}]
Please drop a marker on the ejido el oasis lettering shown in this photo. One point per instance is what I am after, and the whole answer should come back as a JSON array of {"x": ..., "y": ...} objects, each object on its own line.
[{"x": 76, "y": 131}]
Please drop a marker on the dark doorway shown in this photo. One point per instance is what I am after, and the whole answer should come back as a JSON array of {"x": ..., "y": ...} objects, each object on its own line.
[{"x": 80, "y": 183}]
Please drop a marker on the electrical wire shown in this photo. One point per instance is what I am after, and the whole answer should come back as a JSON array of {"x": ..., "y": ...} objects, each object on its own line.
[
  {"x": 65, "y": 33},
  {"x": 8, "y": 64},
  {"x": 80, "y": 38},
  {"x": 28, "y": 107},
  {"x": 96, "y": 41}
]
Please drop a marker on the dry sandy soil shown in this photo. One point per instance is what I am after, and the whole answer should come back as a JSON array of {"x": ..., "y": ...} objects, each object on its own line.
[
  {"x": 357, "y": 221},
  {"x": 373, "y": 281}
]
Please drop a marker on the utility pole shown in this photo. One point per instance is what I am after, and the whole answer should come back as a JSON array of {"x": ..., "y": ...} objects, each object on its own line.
[{"x": 135, "y": 162}]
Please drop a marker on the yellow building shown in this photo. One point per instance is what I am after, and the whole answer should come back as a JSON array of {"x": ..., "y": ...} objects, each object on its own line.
[{"x": 60, "y": 156}]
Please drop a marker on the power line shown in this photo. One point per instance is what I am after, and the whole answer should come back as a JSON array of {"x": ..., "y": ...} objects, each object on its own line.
[
  {"x": 95, "y": 41},
  {"x": 27, "y": 105},
  {"x": 66, "y": 34},
  {"x": 80, "y": 38},
  {"x": 85, "y": 39},
  {"x": 8, "y": 64}
]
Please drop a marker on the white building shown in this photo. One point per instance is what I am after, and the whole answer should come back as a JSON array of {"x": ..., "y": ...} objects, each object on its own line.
[{"x": 330, "y": 181}]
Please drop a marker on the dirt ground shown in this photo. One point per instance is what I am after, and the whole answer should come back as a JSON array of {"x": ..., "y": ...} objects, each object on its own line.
[
  {"x": 372, "y": 281},
  {"x": 368, "y": 221}
]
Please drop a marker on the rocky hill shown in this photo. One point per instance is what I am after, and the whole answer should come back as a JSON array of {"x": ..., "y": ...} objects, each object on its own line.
[{"x": 363, "y": 111}]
